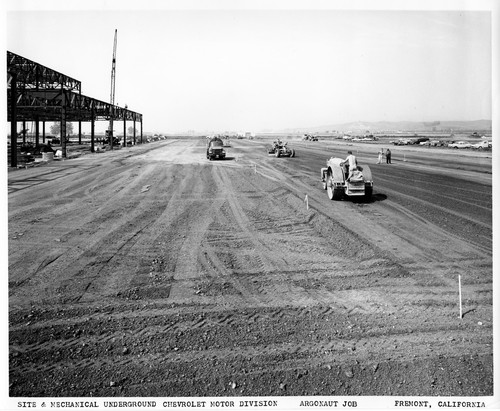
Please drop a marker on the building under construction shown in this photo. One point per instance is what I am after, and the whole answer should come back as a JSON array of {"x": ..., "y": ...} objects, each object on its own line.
[{"x": 38, "y": 94}]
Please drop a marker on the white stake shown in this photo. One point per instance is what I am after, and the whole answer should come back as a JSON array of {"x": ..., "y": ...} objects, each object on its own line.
[
  {"x": 460, "y": 293},
  {"x": 307, "y": 202}
]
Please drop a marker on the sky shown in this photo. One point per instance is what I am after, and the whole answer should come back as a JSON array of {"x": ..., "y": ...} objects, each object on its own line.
[{"x": 243, "y": 66}]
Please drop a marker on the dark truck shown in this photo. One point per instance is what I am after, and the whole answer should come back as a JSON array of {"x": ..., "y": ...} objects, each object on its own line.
[{"x": 215, "y": 149}]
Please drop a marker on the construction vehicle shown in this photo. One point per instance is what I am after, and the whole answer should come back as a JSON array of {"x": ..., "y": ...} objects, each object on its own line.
[
  {"x": 280, "y": 149},
  {"x": 336, "y": 181},
  {"x": 215, "y": 149},
  {"x": 309, "y": 137}
]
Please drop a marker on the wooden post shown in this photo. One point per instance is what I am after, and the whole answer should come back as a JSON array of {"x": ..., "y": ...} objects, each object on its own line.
[{"x": 460, "y": 293}]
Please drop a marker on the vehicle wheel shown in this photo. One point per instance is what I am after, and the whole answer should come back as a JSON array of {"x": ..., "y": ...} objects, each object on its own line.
[
  {"x": 333, "y": 193},
  {"x": 329, "y": 186},
  {"x": 324, "y": 185},
  {"x": 292, "y": 154},
  {"x": 277, "y": 153},
  {"x": 338, "y": 193},
  {"x": 368, "y": 193}
]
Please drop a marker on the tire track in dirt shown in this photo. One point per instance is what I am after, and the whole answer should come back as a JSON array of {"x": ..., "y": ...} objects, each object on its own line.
[
  {"x": 399, "y": 243},
  {"x": 266, "y": 232},
  {"x": 293, "y": 229},
  {"x": 479, "y": 254},
  {"x": 99, "y": 250},
  {"x": 303, "y": 290},
  {"x": 447, "y": 210},
  {"x": 339, "y": 340},
  {"x": 226, "y": 264}
]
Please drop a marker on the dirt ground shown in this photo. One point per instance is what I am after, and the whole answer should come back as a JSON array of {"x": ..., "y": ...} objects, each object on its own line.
[{"x": 151, "y": 271}]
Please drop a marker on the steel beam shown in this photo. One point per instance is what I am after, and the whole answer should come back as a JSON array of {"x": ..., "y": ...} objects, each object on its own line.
[{"x": 34, "y": 90}]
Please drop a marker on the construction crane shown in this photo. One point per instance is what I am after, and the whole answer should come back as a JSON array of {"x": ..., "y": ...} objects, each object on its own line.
[{"x": 112, "y": 97}]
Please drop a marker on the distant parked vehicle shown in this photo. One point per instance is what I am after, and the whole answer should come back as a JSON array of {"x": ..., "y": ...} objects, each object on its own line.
[
  {"x": 482, "y": 145},
  {"x": 460, "y": 144},
  {"x": 436, "y": 143},
  {"x": 402, "y": 142},
  {"x": 419, "y": 140}
]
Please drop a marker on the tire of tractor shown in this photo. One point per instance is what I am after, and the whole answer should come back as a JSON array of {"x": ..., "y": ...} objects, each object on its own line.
[
  {"x": 292, "y": 154},
  {"x": 324, "y": 185},
  {"x": 329, "y": 186},
  {"x": 338, "y": 193},
  {"x": 333, "y": 193},
  {"x": 368, "y": 193},
  {"x": 277, "y": 153}
]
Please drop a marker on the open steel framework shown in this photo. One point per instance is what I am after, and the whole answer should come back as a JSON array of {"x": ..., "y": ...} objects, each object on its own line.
[{"x": 39, "y": 94}]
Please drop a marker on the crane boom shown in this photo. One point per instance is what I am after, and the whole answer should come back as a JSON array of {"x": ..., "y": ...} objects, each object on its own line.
[
  {"x": 113, "y": 72},
  {"x": 112, "y": 96}
]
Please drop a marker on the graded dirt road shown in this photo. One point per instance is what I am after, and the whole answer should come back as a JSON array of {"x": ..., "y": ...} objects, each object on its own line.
[{"x": 151, "y": 271}]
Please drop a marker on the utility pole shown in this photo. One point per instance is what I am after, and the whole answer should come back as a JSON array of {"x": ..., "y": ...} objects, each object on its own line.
[{"x": 112, "y": 97}]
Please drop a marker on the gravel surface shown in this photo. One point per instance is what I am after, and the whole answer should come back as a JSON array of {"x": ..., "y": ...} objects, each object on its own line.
[{"x": 151, "y": 271}]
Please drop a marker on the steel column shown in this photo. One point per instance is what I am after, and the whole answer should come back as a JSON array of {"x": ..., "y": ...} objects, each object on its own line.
[
  {"x": 13, "y": 122},
  {"x": 63, "y": 131},
  {"x": 37, "y": 131},
  {"x": 92, "y": 132}
]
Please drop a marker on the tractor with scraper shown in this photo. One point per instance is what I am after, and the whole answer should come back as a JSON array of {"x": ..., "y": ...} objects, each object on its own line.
[
  {"x": 281, "y": 149},
  {"x": 340, "y": 183}
]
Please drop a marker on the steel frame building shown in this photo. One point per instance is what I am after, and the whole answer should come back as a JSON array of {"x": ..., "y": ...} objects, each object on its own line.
[{"x": 37, "y": 93}]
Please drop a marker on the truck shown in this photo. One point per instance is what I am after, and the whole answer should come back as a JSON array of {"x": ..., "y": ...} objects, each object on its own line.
[
  {"x": 215, "y": 149},
  {"x": 335, "y": 180}
]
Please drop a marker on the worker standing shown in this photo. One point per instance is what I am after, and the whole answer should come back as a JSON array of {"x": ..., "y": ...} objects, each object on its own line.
[
  {"x": 388, "y": 156},
  {"x": 351, "y": 163}
]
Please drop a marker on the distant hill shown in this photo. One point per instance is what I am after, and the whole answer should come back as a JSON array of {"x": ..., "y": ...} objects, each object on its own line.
[{"x": 388, "y": 126}]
